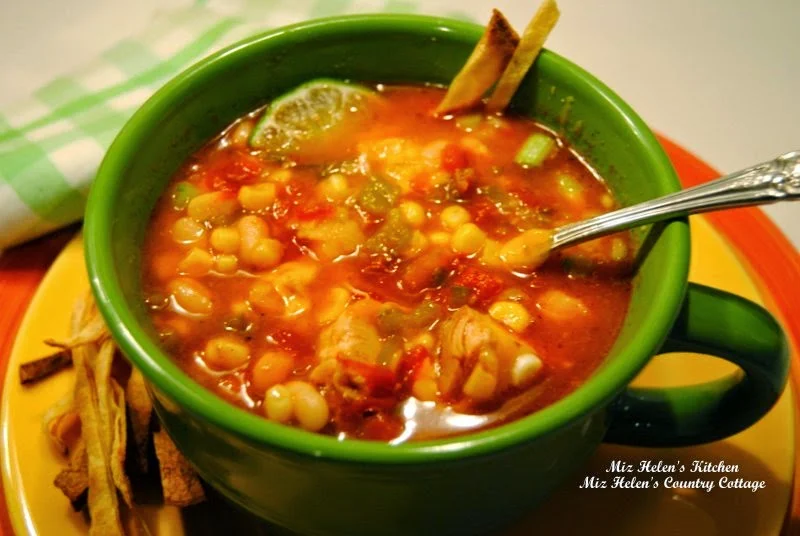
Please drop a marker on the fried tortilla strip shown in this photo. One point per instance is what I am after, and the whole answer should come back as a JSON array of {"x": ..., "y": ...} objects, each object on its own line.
[
  {"x": 179, "y": 481},
  {"x": 39, "y": 369},
  {"x": 487, "y": 61},
  {"x": 73, "y": 481},
  {"x": 530, "y": 45},
  {"x": 63, "y": 425},
  {"x": 141, "y": 410},
  {"x": 102, "y": 499},
  {"x": 113, "y": 419},
  {"x": 94, "y": 331}
]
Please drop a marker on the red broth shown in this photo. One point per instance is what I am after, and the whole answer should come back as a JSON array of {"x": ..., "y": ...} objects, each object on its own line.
[{"x": 327, "y": 287}]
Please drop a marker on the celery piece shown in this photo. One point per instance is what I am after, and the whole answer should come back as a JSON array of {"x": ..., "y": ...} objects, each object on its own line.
[
  {"x": 459, "y": 295},
  {"x": 425, "y": 314},
  {"x": 469, "y": 122},
  {"x": 390, "y": 320},
  {"x": 535, "y": 149},
  {"x": 377, "y": 196},
  {"x": 390, "y": 351},
  {"x": 569, "y": 187},
  {"x": 392, "y": 237},
  {"x": 182, "y": 193}
]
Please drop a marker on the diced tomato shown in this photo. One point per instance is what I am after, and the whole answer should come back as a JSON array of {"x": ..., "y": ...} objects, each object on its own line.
[
  {"x": 410, "y": 365},
  {"x": 381, "y": 427},
  {"x": 484, "y": 284},
  {"x": 454, "y": 157},
  {"x": 290, "y": 341},
  {"x": 379, "y": 380},
  {"x": 315, "y": 212},
  {"x": 230, "y": 169},
  {"x": 484, "y": 211},
  {"x": 421, "y": 182}
]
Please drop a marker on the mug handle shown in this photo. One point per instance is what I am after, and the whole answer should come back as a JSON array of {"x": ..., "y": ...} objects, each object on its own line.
[{"x": 721, "y": 324}]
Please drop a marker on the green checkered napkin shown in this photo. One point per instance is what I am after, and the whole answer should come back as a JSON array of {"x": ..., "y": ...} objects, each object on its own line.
[{"x": 52, "y": 143}]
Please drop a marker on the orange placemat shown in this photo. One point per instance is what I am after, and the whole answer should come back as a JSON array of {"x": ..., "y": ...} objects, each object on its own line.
[{"x": 763, "y": 250}]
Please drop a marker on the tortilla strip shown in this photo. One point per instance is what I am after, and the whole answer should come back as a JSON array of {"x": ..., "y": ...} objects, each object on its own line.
[
  {"x": 530, "y": 45},
  {"x": 73, "y": 481},
  {"x": 102, "y": 499},
  {"x": 488, "y": 60},
  {"x": 63, "y": 426},
  {"x": 178, "y": 480},
  {"x": 111, "y": 405},
  {"x": 94, "y": 331},
  {"x": 141, "y": 410},
  {"x": 39, "y": 369}
]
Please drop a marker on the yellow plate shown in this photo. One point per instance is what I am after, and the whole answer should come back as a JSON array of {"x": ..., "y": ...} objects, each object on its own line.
[{"x": 764, "y": 452}]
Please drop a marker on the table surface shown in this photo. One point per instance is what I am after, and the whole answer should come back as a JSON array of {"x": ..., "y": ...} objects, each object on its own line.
[{"x": 719, "y": 77}]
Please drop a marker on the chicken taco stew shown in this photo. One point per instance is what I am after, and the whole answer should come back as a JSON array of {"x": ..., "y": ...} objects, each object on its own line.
[{"x": 347, "y": 262}]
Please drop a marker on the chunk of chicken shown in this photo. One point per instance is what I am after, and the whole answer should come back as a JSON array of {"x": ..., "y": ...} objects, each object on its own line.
[
  {"x": 353, "y": 335},
  {"x": 478, "y": 356},
  {"x": 332, "y": 238}
]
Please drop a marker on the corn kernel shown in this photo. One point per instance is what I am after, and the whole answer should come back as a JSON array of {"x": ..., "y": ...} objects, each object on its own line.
[
  {"x": 619, "y": 250},
  {"x": 475, "y": 145},
  {"x": 258, "y": 197},
  {"x": 251, "y": 228},
  {"x": 607, "y": 201},
  {"x": 281, "y": 176},
  {"x": 196, "y": 263},
  {"x": 310, "y": 408},
  {"x": 439, "y": 178},
  {"x": 413, "y": 213},
  {"x": 528, "y": 250},
  {"x": 570, "y": 188},
  {"x": 187, "y": 231},
  {"x": 278, "y": 404},
  {"x": 191, "y": 296},
  {"x": 453, "y": 217},
  {"x": 490, "y": 256},
  {"x": 525, "y": 369},
  {"x": 468, "y": 239},
  {"x": 418, "y": 244},
  {"x": 335, "y": 187},
  {"x": 425, "y": 389},
  {"x": 225, "y": 239},
  {"x": 240, "y": 308},
  {"x": 560, "y": 306},
  {"x": 226, "y": 353},
  {"x": 512, "y": 314},
  {"x": 295, "y": 275},
  {"x": 425, "y": 340},
  {"x": 439, "y": 238},
  {"x": 266, "y": 253},
  {"x": 271, "y": 368},
  {"x": 226, "y": 264},
  {"x": 480, "y": 385},
  {"x": 212, "y": 207}
]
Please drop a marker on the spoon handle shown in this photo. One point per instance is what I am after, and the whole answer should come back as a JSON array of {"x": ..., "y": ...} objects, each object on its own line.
[{"x": 775, "y": 180}]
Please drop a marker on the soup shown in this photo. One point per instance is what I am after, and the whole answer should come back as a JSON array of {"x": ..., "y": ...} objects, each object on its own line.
[{"x": 375, "y": 282}]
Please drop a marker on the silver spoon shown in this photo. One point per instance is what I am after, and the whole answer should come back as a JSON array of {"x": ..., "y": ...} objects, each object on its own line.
[
  {"x": 768, "y": 182},
  {"x": 776, "y": 180}
]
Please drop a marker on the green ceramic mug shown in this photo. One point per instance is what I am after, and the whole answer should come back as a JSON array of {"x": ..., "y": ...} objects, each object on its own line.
[{"x": 316, "y": 484}]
